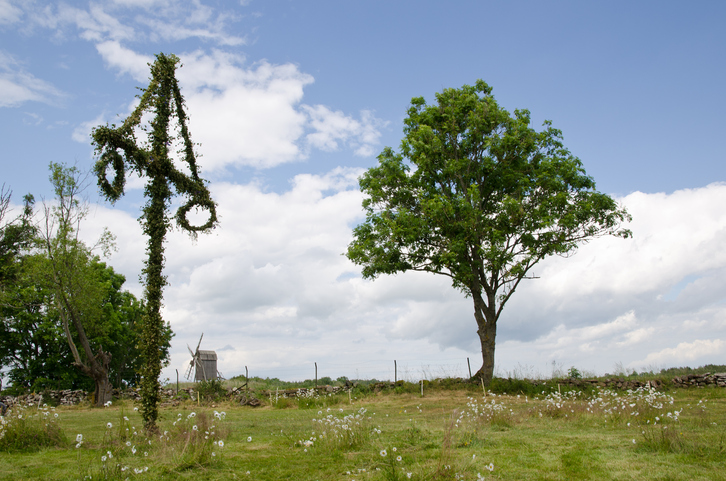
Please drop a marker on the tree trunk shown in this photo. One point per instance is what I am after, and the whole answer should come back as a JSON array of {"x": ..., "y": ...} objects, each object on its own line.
[
  {"x": 104, "y": 389},
  {"x": 487, "y": 330}
]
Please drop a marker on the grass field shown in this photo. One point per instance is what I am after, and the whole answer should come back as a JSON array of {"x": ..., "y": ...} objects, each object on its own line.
[{"x": 444, "y": 435}]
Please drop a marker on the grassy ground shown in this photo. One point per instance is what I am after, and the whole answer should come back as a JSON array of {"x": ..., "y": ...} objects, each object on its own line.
[{"x": 445, "y": 435}]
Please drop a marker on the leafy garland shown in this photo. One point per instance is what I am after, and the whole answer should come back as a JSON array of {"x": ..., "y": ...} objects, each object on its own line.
[{"x": 117, "y": 148}]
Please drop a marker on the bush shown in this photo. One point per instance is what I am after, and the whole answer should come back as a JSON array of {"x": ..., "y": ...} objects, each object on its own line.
[
  {"x": 211, "y": 390},
  {"x": 574, "y": 373}
]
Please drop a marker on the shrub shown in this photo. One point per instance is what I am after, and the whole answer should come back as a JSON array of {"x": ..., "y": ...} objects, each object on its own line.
[{"x": 211, "y": 390}]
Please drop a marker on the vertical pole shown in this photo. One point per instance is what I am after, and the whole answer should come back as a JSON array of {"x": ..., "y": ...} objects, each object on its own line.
[
  {"x": 421, "y": 387},
  {"x": 468, "y": 364},
  {"x": 177, "y": 381},
  {"x": 395, "y": 371},
  {"x": 316, "y": 376},
  {"x": 483, "y": 388},
  {"x": 247, "y": 379}
]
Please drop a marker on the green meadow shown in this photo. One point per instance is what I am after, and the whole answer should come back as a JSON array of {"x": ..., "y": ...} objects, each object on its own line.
[{"x": 459, "y": 434}]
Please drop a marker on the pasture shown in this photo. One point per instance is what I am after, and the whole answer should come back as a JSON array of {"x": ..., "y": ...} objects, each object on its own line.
[{"x": 672, "y": 434}]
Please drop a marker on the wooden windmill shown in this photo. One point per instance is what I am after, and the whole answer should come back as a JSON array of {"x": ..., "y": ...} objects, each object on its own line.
[{"x": 203, "y": 363}]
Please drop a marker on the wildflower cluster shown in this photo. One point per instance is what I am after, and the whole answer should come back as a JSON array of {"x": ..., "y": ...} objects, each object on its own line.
[
  {"x": 194, "y": 438},
  {"x": 643, "y": 403},
  {"x": 339, "y": 431},
  {"x": 30, "y": 428},
  {"x": 557, "y": 404},
  {"x": 488, "y": 411},
  {"x": 393, "y": 464},
  {"x": 191, "y": 440}
]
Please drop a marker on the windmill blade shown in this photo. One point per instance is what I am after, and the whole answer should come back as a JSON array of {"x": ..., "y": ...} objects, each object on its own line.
[
  {"x": 190, "y": 350},
  {"x": 200, "y": 342}
]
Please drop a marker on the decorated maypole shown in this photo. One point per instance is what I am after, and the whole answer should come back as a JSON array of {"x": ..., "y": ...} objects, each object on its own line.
[{"x": 117, "y": 148}]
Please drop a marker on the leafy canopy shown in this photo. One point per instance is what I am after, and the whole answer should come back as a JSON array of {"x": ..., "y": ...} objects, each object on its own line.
[{"x": 478, "y": 195}]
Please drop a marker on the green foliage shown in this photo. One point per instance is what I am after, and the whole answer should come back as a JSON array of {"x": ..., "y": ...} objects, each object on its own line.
[
  {"x": 28, "y": 430},
  {"x": 65, "y": 267},
  {"x": 36, "y": 349},
  {"x": 211, "y": 390},
  {"x": 477, "y": 195},
  {"x": 117, "y": 149},
  {"x": 680, "y": 371},
  {"x": 574, "y": 373},
  {"x": 16, "y": 237},
  {"x": 66, "y": 322}
]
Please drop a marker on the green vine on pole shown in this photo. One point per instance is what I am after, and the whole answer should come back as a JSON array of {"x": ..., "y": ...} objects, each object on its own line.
[{"x": 117, "y": 149}]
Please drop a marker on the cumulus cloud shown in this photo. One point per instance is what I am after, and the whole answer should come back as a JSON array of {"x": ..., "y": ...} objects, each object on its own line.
[
  {"x": 686, "y": 353},
  {"x": 124, "y": 60},
  {"x": 272, "y": 282},
  {"x": 332, "y": 129},
  {"x": 252, "y": 115},
  {"x": 243, "y": 114}
]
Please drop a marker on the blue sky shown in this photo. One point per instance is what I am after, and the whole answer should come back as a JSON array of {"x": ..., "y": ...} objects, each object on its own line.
[{"x": 291, "y": 100}]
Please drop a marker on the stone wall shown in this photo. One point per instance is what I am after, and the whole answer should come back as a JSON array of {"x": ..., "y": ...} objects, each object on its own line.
[
  {"x": 69, "y": 397},
  {"x": 66, "y": 397},
  {"x": 701, "y": 380}
]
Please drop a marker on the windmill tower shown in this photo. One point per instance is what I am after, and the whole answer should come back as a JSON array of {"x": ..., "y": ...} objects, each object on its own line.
[{"x": 203, "y": 363}]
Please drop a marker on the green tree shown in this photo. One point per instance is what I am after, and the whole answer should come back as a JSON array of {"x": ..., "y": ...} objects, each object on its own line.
[
  {"x": 67, "y": 270},
  {"x": 479, "y": 196},
  {"x": 34, "y": 343},
  {"x": 120, "y": 328},
  {"x": 118, "y": 150},
  {"x": 16, "y": 237}
]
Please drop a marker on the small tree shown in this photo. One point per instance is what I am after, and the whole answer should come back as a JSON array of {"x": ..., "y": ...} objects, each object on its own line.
[
  {"x": 66, "y": 268},
  {"x": 117, "y": 149},
  {"x": 487, "y": 198}
]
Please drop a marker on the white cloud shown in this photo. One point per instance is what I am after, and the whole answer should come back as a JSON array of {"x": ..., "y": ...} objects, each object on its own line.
[
  {"x": 331, "y": 129},
  {"x": 18, "y": 86},
  {"x": 243, "y": 116},
  {"x": 137, "y": 21},
  {"x": 252, "y": 115},
  {"x": 124, "y": 60},
  {"x": 94, "y": 24},
  {"x": 686, "y": 353},
  {"x": 9, "y": 13},
  {"x": 272, "y": 282},
  {"x": 82, "y": 133}
]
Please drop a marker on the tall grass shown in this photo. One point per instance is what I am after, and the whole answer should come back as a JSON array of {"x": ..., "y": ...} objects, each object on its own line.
[
  {"x": 31, "y": 428},
  {"x": 445, "y": 435}
]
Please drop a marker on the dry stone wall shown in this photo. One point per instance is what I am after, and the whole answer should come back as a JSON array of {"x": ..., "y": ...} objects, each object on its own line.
[
  {"x": 701, "y": 380},
  {"x": 170, "y": 396}
]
